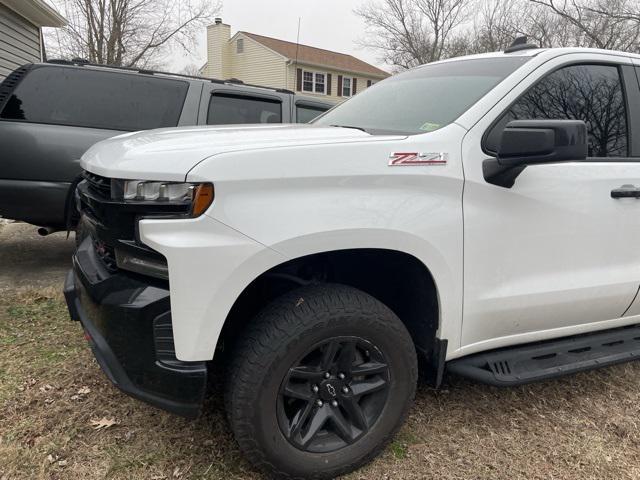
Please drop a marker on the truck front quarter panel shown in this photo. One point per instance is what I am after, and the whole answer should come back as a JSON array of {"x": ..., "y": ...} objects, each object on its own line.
[
  {"x": 209, "y": 266},
  {"x": 276, "y": 204}
]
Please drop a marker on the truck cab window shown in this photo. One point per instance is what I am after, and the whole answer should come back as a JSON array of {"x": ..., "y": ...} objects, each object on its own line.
[
  {"x": 227, "y": 109},
  {"x": 592, "y": 93}
]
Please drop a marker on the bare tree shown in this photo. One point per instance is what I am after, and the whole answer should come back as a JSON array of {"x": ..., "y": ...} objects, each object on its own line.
[
  {"x": 129, "y": 32},
  {"x": 499, "y": 22},
  {"x": 496, "y": 25},
  {"x": 191, "y": 69},
  {"x": 610, "y": 24},
  {"x": 412, "y": 32}
]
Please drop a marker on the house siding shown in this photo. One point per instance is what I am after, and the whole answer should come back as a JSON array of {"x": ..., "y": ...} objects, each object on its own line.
[
  {"x": 362, "y": 81},
  {"x": 257, "y": 64},
  {"x": 19, "y": 41},
  {"x": 263, "y": 64}
]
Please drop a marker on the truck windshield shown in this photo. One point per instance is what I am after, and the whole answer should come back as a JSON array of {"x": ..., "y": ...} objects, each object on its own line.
[{"x": 423, "y": 99}]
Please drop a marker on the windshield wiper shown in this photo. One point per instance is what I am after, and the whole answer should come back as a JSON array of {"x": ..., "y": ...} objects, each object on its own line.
[{"x": 350, "y": 126}]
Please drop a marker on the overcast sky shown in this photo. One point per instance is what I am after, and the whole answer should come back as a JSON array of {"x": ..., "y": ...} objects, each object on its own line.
[{"x": 329, "y": 24}]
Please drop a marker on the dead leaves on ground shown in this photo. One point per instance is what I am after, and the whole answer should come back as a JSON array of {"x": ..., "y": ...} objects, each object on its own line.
[
  {"x": 103, "y": 423},
  {"x": 55, "y": 458},
  {"x": 81, "y": 394}
]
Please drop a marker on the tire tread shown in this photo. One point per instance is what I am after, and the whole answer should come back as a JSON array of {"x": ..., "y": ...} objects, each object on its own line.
[{"x": 266, "y": 339}]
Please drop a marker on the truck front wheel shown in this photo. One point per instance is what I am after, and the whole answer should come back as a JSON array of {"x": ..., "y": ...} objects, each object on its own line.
[{"x": 320, "y": 382}]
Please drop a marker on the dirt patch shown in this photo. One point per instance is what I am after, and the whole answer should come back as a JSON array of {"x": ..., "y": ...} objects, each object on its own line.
[
  {"x": 52, "y": 392},
  {"x": 30, "y": 261}
]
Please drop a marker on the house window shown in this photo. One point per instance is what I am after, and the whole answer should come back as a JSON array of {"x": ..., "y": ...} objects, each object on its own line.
[
  {"x": 240, "y": 45},
  {"x": 314, "y": 82},
  {"x": 307, "y": 81},
  {"x": 320, "y": 86},
  {"x": 346, "y": 87}
]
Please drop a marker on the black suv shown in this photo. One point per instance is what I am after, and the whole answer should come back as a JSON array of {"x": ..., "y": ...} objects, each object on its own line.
[{"x": 51, "y": 113}]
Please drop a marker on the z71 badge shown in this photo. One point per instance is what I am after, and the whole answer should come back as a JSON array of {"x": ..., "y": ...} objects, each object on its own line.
[{"x": 399, "y": 159}]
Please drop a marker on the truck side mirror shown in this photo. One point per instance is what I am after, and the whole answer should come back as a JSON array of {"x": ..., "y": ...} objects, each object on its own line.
[
  {"x": 528, "y": 142},
  {"x": 531, "y": 142}
]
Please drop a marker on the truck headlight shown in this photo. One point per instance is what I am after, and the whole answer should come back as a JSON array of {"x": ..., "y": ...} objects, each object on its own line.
[{"x": 198, "y": 195}]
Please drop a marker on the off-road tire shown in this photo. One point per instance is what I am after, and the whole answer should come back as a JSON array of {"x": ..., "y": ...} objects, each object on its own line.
[{"x": 273, "y": 341}]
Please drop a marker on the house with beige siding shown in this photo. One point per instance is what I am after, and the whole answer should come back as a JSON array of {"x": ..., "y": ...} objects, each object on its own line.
[
  {"x": 21, "y": 23},
  {"x": 260, "y": 60}
]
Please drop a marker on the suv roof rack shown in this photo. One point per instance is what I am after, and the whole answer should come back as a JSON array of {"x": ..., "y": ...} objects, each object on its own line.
[
  {"x": 81, "y": 62},
  {"x": 520, "y": 43}
]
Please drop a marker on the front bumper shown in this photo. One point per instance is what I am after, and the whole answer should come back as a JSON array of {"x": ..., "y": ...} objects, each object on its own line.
[{"x": 127, "y": 319}]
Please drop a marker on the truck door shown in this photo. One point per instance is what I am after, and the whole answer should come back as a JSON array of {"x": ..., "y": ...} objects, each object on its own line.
[{"x": 554, "y": 254}]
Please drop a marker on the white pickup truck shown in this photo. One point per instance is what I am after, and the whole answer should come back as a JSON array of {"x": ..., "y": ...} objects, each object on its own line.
[{"x": 478, "y": 216}]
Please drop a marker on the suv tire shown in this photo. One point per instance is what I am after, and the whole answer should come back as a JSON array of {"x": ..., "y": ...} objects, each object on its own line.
[{"x": 332, "y": 356}]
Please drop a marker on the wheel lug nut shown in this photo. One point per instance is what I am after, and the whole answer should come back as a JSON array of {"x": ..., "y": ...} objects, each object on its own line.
[
  {"x": 327, "y": 375},
  {"x": 319, "y": 403},
  {"x": 334, "y": 403},
  {"x": 341, "y": 376},
  {"x": 315, "y": 389},
  {"x": 345, "y": 389}
]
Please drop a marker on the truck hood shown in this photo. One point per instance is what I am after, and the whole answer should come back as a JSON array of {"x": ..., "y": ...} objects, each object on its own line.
[{"x": 169, "y": 153}]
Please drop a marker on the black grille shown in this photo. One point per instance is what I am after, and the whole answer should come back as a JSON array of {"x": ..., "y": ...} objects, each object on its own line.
[
  {"x": 98, "y": 184},
  {"x": 106, "y": 254},
  {"x": 111, "y": 221}
]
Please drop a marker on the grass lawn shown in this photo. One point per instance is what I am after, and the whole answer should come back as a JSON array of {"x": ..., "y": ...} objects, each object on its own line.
[{"x": 53, "y": 396}]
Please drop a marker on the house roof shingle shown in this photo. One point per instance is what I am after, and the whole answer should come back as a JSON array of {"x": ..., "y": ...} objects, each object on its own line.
[{"x": 317, "y": 56}]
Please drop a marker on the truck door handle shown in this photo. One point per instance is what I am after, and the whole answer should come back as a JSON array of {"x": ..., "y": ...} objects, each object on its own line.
[{"x": 626, "y": 191}]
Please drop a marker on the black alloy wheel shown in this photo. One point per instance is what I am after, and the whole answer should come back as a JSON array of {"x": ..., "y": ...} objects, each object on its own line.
[{"x": 333, "y": 395}]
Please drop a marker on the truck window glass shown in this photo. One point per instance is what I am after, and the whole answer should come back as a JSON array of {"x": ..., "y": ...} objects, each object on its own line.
[
  {"x": 305, "y": 113},
  {"x": 424, "y": 99},
  {"x": 592, "y": 93},
  {"x": 84, "y": 97},
  {"x": 227, "y": 109}
]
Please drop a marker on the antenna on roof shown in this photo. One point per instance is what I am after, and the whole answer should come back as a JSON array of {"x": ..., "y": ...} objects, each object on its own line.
[
  {"x": 520, "y": 43},
  {"x": 297, "y": 43}
]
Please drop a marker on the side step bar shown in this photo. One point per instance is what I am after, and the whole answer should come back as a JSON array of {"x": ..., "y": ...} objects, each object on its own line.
[{"x": 554, "y": 358}]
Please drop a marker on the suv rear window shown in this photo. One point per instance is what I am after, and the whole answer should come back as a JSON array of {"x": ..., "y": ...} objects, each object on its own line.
[
  {"x": 306, "y": 113},
  {"x": 96, "y": 99},
  {"x": 228, "y": 109}
]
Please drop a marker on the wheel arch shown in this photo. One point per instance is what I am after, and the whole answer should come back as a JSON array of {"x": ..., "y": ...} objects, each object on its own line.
[{"x": 398, "y": 279}]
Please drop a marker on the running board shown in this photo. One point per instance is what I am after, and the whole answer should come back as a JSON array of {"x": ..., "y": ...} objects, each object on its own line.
[{"x": 554, "y": 358}]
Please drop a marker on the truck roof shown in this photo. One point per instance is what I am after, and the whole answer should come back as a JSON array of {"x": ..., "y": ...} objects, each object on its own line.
[{"x": 550, "y": 52}]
